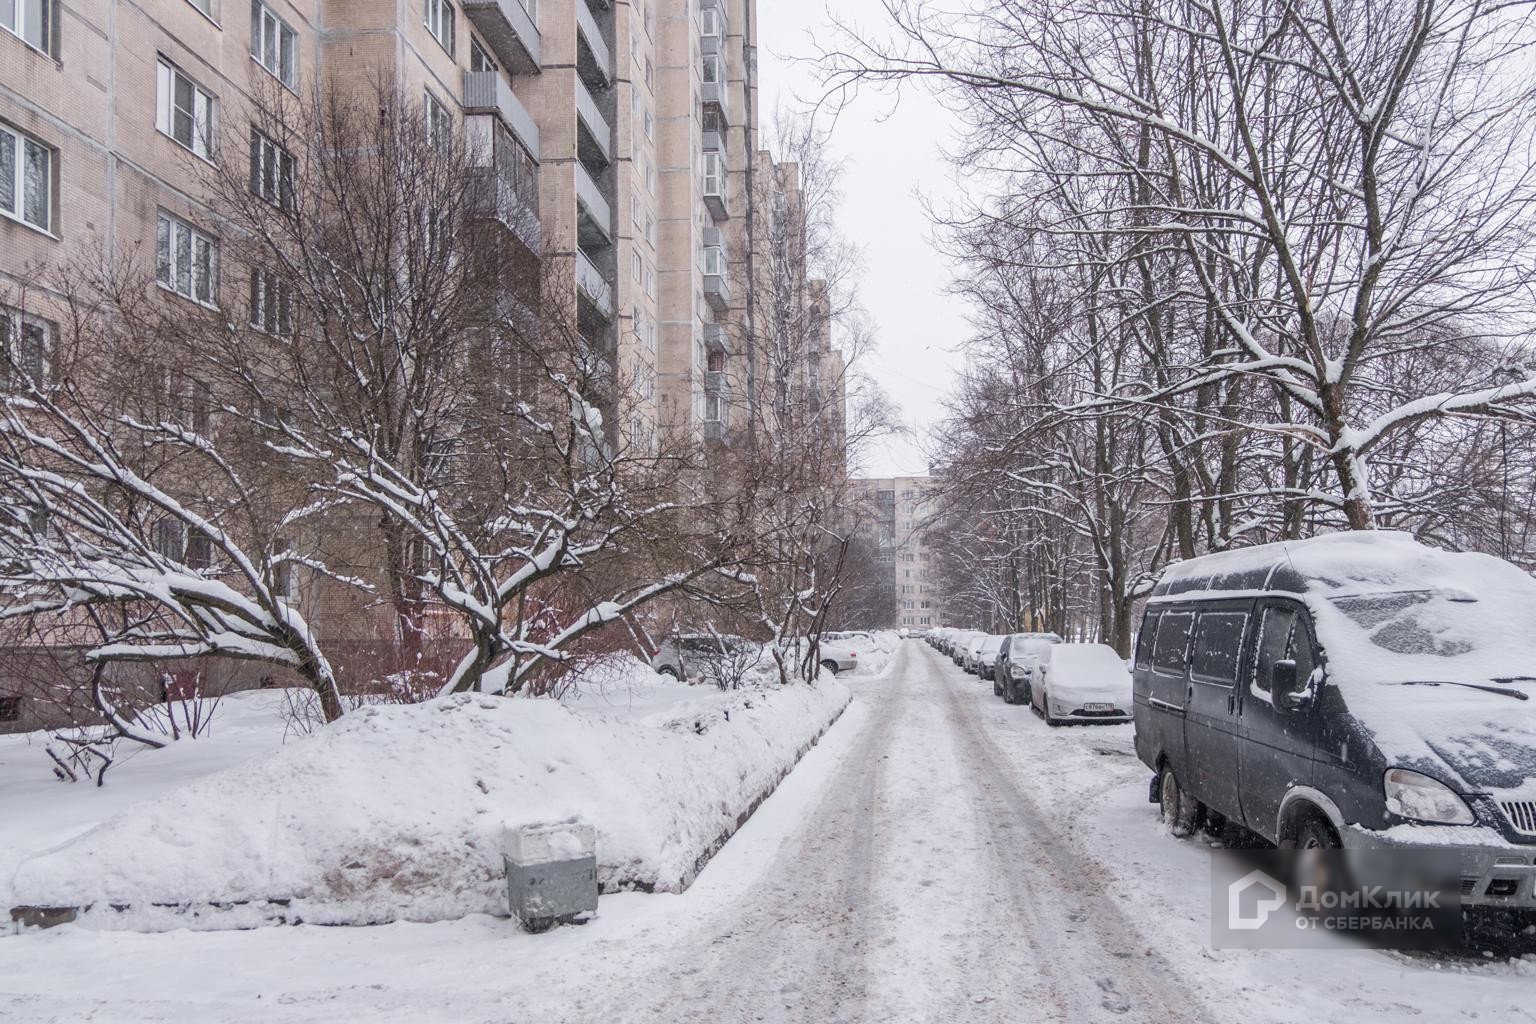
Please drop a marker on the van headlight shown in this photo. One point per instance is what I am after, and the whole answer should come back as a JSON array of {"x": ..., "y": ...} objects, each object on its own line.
[{"x": 1421, "y": 798}]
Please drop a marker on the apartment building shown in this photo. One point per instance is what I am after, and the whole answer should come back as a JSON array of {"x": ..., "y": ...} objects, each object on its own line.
[
  {"x": 617, "y": 135},
  {"x": 896, "y": 510}
]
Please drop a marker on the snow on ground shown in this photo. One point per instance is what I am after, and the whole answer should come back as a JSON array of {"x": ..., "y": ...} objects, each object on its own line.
[
  {"x": 939, "y": 856},
  {"x": 398, "y": 812}
]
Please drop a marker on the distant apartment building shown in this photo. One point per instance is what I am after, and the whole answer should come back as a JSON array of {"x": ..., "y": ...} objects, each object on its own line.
[{"x": 895, "y": 511}]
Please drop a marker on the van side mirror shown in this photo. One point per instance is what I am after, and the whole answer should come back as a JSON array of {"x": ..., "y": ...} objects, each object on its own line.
[{"x": 1289, "y": 692}]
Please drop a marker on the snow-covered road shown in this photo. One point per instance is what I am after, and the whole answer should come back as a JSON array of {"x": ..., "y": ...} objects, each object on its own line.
[{"x": 940, "y": 856}]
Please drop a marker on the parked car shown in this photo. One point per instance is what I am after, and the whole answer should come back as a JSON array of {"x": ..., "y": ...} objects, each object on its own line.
[
  {"x": 958, "y": 646},
  {"x": 838, "y": 655},
  {"x": 986, "y": 655},
  {"x": 972, "y": 654},
  {"x": 704, "y": 657},
  {"x": 1020, "y": 656},
  {"x": 1082, "y": 683},
  {"x": 1356, "y": 690}
]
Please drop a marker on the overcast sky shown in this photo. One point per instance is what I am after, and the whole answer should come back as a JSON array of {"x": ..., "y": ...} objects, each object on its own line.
[{"x": 891, "y": 155}]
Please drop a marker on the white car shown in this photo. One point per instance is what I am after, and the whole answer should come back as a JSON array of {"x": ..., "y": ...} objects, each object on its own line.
[
  {"x": 971, "y": 661},
  {"x": 839, "y": 655},
  {"x": 1082, "y": 683}
]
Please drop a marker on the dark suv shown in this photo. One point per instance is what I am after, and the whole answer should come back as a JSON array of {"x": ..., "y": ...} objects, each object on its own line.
[
  {"x": 1016, "y": 664},
  {"x": 1355, "y": 690}
]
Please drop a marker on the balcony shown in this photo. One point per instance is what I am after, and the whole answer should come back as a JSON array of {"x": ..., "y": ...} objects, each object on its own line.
[
  {"x": 489, "y": 196},
  {"x": 716, "y": 181},
  {"x": 594, "y": 215},
  {"x": 592, "y": 286},
  {"x": 510, "y": 28},
  {"x": 717, "y": 94},
  {"x": 593, "y": 58},
  {"x": 595, "y": 142},
  {"x": 486, "y": 92},
  {"x": 716, "y": 382},
  {"x": 712, "y": 18},
  {"x": 715, "y": 339},
  {"x": 714, "y": 430},
  {"x": 714, "y": 142},
  {"x": 717, "y": 285}
]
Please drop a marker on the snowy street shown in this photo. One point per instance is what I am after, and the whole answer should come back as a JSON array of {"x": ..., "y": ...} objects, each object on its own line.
[{"x": 939, "y": 856}]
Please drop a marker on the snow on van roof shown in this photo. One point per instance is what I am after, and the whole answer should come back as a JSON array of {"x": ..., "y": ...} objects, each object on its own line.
[{"x": 1407, "y": 630}]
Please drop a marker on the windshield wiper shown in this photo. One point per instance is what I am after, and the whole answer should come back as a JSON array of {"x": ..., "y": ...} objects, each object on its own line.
[{"x": 1506, "y": 691}]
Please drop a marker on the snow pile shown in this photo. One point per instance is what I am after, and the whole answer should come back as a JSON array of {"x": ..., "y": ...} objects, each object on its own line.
[{"x": 397, "y": 812}]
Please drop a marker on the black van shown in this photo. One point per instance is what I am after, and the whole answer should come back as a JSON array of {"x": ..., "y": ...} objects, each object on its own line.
[{"x": 1352, "y": 690}]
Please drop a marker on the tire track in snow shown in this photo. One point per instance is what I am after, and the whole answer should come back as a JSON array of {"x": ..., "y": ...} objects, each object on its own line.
[{"x": 1097, "y": 964}]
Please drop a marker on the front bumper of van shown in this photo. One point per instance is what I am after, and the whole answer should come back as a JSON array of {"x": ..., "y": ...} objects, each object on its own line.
[{"x": 1495, "y": 872}]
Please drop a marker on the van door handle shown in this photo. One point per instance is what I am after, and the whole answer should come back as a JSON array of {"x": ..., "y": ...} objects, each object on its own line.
[{"x": 1232, "y": 703}]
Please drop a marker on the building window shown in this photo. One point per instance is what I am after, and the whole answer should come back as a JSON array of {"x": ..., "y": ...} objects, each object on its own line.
[
  {"x": 439, "y": 22},
  {"x": 187, "y": 261},
  {"x": 714, "y": 409},
  {"x": 274, "y": 45},
  {"x": 169, "y": 539},
  {"x": 10, "y": 709},
  {"x": 439, "y": 125},
  {"x": 271, "y": 304},
  {"x": 27, "y": 344},
  {"x": 26, "y": 178},
  {"x": 709, "y": 18},
  {"x": 285, "y": 577},
  {"x": 271, "y": 170},
  {"x": 479, "y": 59},
  {"x": 184, "y": 110},
  {"x": 31, "y": 21}
]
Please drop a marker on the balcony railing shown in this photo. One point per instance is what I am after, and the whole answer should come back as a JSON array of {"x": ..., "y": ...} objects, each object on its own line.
[
  {"x": 486, "y": 92},
  {"x": 591, "y": 118},
  {"x": 491, "y": 196},
  {"x": 593, "y": 208},
  {"x": 597, "y": 63},
  {"x": 717, "y": 286},
  {"x": 511, "y": 27},
  {"x": 593, "y": 285}
]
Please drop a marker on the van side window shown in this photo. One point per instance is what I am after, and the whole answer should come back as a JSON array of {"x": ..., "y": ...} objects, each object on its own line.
[
  {"x": 1172, "y": 642},
  {"x": 1218, "y": 647},
  {"x": 1144, "y": 640},
  {"x": 1285, "y": 635}
]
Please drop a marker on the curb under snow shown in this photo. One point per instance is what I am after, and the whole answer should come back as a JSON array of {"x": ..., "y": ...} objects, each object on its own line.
[{"x": 396, "y": 813}]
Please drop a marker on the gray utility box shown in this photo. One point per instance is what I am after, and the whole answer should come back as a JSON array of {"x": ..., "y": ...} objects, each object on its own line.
[{"x": 551, "y": 874}]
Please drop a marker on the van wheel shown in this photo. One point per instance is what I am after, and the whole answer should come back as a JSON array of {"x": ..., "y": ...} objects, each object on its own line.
[
  {"x": 1317, "y": 834},
  {"x": 1179, "y": 811}
]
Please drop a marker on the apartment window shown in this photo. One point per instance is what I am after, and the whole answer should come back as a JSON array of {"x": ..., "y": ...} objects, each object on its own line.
[
  {"x": 206, "y": 6},
  {"x": 271, "y": 304},
  {"x": 31, "y": 21},
  {"x": 271, "y": 170},
  {"x": 27, "y": 343},
  {"x": 199, "y": 551},
  {"x": 479, "y": 59},
  {"x": 516, "y": 168},
  {"x": 439, "y": 125},
  {"x": 184, "y": 110},
  {"x": 26, "y": 178},
  {"x": 714, "y": 409},
  {"x": 637, "y": 267},
  {"x": 169, "y": 539},
  {"x": 714, "y": 261},
  {"x": 713, "y": 122},
  {"x": 285, "y": 577},
  {"x": 274, "y": 45},
  {"x": 709, "y": 18},
  {"x": 187, "y": 261},
  {"x": 439, "y": 22},
  {"x": 714, "y": 70},
  {"x": 650, "y": 127},
  {"x": 650, "y": 282}
]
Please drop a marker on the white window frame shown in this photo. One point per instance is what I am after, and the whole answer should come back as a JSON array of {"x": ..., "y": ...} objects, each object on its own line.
[
  {"x": 272, "y": 170},
  {"x": 709, "y": 23},
  {"x": 270, "y": 309},
  {"x": 715, "y": 174},
  {"x": 270, "y": 33},
  {"x": 21, "y": 146},
  {"x": 15, "y": 18},
  {"x": 714, "y": 261},
  {"x": 439, "y": 17},
  {"x": 201, "y": 117},
  {"x": 169, "y": 229},
  {"x": 439, "y": 123}
]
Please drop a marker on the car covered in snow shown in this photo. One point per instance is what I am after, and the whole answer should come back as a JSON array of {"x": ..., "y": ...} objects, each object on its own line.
[
  {"x": 1352, "y": 690},
  {"x": 986, "y": 655},
  {"x": 1017, "y": 662},
  {"x": 840, "y": 655},
  {"x": 1081, "y": 683},
  {"x": 970, "y": 657}
]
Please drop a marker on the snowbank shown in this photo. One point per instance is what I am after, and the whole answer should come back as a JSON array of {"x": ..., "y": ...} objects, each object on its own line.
[{"x": 397, "y": 813}]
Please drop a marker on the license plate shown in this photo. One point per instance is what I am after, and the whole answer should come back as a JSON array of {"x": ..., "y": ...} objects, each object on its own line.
[{"x": 1098, "y": 707}]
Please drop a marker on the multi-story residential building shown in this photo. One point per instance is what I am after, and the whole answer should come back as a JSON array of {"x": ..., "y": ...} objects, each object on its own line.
[
  {"x": 896, "y": 511},
  {"x": 618, "y": 134}
]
